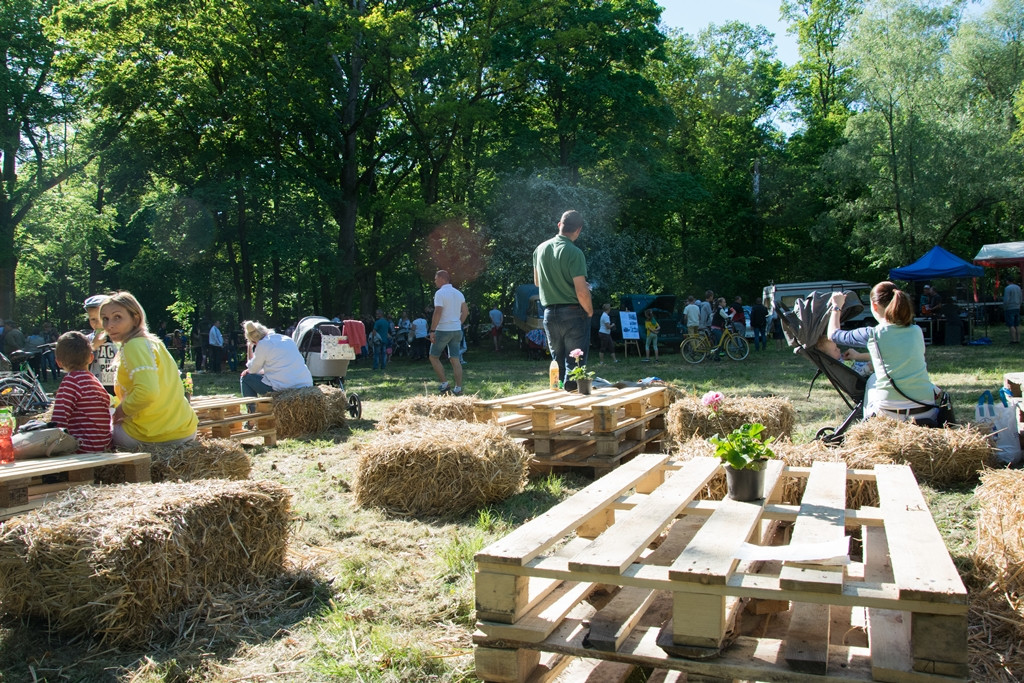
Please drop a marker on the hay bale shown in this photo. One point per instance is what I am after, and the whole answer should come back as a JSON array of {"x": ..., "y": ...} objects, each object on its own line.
[
  {"x": 440, "y": 467},
  {"x": 412, "y": 410},
  {"x": 200, "y": 459},
  {"x": 689, "y": 418},
  {"x": 995, "y": 644},
  {"x": 337, "y": 406},
  {"x": 115, "y": 560},
  {"x": 308, "y": 411},
  {"x": 938, "y": 456},
  {"x": 1000, "y": 523}
]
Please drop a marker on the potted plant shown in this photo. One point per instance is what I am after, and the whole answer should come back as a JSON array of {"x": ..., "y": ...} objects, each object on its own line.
[
  {"x": 744, "y": 453},
  {"x": 579, "y": 374}
]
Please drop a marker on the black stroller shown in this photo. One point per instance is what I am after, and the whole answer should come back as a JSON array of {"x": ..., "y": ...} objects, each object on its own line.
[{"x": 803, "y": 326}]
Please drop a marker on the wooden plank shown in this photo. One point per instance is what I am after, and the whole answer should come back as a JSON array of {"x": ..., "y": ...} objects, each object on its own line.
[
  {"x": 754, "y": 659},
  {"x": 542, "y": 620},
  {"x": 596, "y": 671},
  {"x": 22, "y": 469},
  {"x": 821, "y": 520},
  {"x": 613, "y": 552},
  {"x": 807, "y": 638},
  {"x": 535, "y": 536},
  {"x": 613, "y": 623},
  {"x": 938, "y": 644},
  {"x": 505, "y": 666},
  {"x": 921, "y": 565},
  {"x": 710, "y": 557},
  {"x": 888, "y": 630}
]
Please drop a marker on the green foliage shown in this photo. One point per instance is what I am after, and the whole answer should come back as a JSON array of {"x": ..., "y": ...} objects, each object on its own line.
[{"x": 744, "y": 448}]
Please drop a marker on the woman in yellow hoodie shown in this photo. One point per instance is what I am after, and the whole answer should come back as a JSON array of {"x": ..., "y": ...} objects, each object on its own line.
[{"x": 152, "y": 409}]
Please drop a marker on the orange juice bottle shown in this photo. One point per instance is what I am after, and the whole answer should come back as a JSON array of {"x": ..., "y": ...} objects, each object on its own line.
[{"x": 553, "y": 374}]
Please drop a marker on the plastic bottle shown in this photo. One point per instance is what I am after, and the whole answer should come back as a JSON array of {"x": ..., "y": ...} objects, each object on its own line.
[
  {"x": 553, "y": 374},
  {"x": 6, "y": 430}
]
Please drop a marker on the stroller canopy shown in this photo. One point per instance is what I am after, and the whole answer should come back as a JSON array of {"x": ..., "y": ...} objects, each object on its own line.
[
  {"x": 303, "y": 334},
  {"x": 805, "y": 324}
]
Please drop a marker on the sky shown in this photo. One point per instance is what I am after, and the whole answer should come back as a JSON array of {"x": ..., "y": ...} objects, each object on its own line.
[{"x": 694, "y": 15}]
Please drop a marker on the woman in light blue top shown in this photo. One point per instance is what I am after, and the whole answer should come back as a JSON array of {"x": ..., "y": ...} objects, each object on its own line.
[{"x": 900, "y": 384}]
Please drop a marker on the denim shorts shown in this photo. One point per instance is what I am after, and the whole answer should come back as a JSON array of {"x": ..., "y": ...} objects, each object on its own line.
[
  {"x": 1012, "y": 318},
  {"x": 450, "y": 340}
]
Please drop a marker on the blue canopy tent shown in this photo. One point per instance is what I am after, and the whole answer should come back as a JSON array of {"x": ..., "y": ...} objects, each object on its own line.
[{"x": 937, "y": 263}]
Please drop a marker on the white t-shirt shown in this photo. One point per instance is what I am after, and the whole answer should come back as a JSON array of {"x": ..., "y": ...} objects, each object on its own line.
[
  {"x": 419, "y": 328},
  {"x": 450, "y": 301},
  {"x": 606, "y": 324},
  {"x": 278, "y": 358},
  {"x": 692, "y": 313}
]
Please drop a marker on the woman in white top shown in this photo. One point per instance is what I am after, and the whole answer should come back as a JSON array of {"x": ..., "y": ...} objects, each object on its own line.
[{"x": 274, "y": 362}]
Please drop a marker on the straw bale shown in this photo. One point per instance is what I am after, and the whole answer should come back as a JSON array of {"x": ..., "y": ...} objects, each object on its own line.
[
  {"x": 999, "y": 555},
  {"x": 688, "y": 417},
  {"x": 308, "y": 411},
  {"x": 200, "y": 459},
  {"x": 116, "y": 560},
  {"x": 938, "y": 456},
  {"x": 995, "y": 642},
  {"x": 412, "y": 410},
  {"x": 440, "y": 467}
]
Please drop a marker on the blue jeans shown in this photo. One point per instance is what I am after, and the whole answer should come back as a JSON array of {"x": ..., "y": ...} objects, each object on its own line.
[
  {"x": 253, "y": 384},
  {"x": 380, "y": 356},
  {"x": 760, "y": 341},
  {"x": 567, "y": 328}
]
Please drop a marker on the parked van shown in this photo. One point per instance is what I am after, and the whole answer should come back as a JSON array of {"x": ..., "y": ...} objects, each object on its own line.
[{"x": 782, "y": 296}]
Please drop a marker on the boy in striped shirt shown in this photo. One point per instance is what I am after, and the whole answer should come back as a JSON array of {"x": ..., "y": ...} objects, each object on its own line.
[{"x": 81, "y": 405}]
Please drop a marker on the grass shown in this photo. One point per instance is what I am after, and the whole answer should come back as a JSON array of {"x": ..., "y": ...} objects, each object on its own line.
[{"x": 394, "y": 597}]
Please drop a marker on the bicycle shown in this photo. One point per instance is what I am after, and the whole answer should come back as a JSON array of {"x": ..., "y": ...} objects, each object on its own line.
[
  {"x": 20, "y": 389},
  {"x": 695, "y": 349}
]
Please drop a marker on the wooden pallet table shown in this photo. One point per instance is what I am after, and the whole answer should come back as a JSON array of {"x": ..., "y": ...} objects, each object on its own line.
[
  {"x": 567, "y": 429},
  {"x": 22, "y": 488},
  {"x": 221, "y": 417},
  {"x": 680, "y": 590}
]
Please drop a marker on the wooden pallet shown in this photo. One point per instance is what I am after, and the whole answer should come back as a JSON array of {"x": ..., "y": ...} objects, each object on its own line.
[
  {"x": 221, "y": 417},
  {"x": 680, "y": 600},
  {"x": 566, "y": 429},
  {"x": 21, "y": 482}
]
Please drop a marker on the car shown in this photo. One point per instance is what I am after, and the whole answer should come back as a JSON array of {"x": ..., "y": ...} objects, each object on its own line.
[{"x": 783, "y": 296}]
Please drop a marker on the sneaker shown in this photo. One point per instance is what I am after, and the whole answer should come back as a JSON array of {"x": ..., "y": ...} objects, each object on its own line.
[
  {"x": 616, "y": 360},
  {"x": 457, "y": 391},
  {"x": 645, "y": 360},
  {"x": 444, "y": 388}
]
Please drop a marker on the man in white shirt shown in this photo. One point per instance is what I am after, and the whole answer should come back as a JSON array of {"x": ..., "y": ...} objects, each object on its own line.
[
  {"x": 497, "y": 319},
  {"x": 216, "y": 346},
  {"x": 450, "y": 311},
  {"x": 419, "y": 338}
]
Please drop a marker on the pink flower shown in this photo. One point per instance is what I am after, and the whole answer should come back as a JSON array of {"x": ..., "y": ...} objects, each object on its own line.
[
  {"x": 713, "y": 400},
  {"x": 576, "y": 353}
]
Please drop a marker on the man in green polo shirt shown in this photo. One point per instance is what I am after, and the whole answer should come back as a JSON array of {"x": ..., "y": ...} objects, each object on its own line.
[{"x": 560, "y": 271}]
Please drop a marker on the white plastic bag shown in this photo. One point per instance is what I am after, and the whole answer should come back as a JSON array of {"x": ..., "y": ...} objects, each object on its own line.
[{"x": 1002, "y": 415}]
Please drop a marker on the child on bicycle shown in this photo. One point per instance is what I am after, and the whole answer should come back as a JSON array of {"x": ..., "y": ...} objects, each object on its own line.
[
  {"x": 81, "y": 404},
  {"x": 103, "y": 349}
]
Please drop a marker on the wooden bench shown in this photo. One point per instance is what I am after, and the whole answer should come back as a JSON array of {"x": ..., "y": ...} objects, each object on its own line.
[
  {"x": 687, "y": 595},
  {"x": 22, "y": 489},
  {"x": 599, "y": 430},
  {"x": 221, "y": 417}
]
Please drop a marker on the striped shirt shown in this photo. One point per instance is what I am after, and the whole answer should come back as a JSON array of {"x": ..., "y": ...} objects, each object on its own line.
[{"x": 82, "y": 406}]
